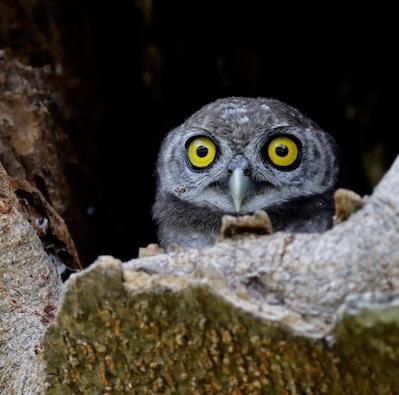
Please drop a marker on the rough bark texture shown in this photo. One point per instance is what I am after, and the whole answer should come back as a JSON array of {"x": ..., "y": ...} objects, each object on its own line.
[
  {"x": 32, "y": 145},
  {"x": 35, "y": 151},
  {"x": 275, "y": 314},
  {"x": 29, "y": 29},
  {"x": 34, "y": 240},
  {"x": 29, "y": 293},
  {"x": 268, "y": 314}
]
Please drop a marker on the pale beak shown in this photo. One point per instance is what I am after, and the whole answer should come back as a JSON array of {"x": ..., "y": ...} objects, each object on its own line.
[{"x": 239, "y": 184}]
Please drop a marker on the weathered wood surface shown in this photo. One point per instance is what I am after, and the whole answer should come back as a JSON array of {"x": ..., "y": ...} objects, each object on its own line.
[
  {"x": 277, "y": 313},
  {"x": 29, "y": 292},
  {"x": 272, "y": 314},
  {"x": 35, "y": 152}
]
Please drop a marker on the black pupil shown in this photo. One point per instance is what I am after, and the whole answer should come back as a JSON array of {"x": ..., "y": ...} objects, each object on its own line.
[
  {"x": 282, "y": 150},
  {"x": 202, "y": 151}
]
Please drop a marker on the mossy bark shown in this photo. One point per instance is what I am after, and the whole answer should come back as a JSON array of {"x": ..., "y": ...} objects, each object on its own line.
[
  {"x": 123, "y": 331},
  {"x": 278, "y": 313},
  {"x": 274, "y": 314}
]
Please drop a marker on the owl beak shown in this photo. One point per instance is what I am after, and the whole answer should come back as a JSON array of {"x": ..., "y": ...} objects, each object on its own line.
[{"x": 239, "y": 184}]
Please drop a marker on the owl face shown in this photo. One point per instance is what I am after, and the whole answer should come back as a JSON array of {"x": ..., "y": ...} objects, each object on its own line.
[{"x": 239, "y": 155}]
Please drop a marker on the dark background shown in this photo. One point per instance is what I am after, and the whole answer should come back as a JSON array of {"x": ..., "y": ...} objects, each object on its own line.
[{"x": 132, "y": 70}]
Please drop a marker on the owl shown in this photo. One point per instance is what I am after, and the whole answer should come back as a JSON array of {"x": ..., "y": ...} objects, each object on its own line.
[{"x": 238, "y": 155}]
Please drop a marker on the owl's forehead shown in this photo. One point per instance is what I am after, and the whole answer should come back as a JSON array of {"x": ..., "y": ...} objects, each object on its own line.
[{"x": 243, "y": 119}]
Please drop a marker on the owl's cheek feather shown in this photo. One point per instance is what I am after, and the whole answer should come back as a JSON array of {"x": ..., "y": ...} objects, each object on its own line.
[
  {"x": 181, "y": 190},
  {"x": 291, "y": 170}
]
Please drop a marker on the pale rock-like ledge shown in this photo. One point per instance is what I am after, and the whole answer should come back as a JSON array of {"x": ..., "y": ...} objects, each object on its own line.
[{"x": 280, "y": 313}]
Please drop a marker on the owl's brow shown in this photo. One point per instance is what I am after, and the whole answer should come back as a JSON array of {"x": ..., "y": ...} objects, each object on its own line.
[
  {"x": 280, "y": 125},
  {"x": 199, "y": 130}
]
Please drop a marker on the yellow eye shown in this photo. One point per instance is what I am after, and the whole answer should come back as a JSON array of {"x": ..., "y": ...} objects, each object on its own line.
[
  {"x": 201, "y": 152},
  {"x": 283, "y": 151}
]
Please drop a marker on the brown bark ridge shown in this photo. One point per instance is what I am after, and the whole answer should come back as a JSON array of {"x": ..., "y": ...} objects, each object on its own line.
[
  {"x": 29, "y": 291},
  {"x": 35, "y": 151},
  {"x": 30, "y": 139},
  {"x": 279, "y": 314}
]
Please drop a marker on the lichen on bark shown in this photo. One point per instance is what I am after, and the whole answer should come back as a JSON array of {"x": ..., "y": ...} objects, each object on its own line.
[
  {"x": 280, "y": 313},
  {"x": 123, "y": 331},
  {"x": 271, "y": 313}
]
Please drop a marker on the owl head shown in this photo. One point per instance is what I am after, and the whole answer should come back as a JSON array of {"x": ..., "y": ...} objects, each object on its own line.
[{"x": 239, "y": 155}]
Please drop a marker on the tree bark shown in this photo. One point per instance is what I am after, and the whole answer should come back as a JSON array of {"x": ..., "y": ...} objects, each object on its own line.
[
  {"x": 282, "y": 313},
  {"x": 35, "y": 244},
  {"x": 29, "y": 292},
  {"x": 35, "y": 151},
  {"x": 30, "y": 139}
]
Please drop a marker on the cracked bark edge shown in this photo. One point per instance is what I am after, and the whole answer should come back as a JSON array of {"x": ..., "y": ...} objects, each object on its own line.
[
  {"x": 35, "y": 147},
  {"x": 53, "y": 231},
  {"x": 32, "y": 144},
  {"x": 305, "y": 313},
  {"x": 29, "y": 293},
  {"x": 310, "y": 274},
  {"x": 126, "y": 331}
]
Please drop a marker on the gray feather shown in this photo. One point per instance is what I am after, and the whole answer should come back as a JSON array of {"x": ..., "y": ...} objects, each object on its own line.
[{"x": 189, "y": 204}]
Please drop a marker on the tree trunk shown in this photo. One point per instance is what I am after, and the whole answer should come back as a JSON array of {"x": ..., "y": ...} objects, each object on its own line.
[
  {"x": 29, "y": 292},
  {"x": 281, "y": 313},
  {"x": 35, "y": 151},
  {"x": 304, "y": 313}
]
